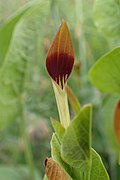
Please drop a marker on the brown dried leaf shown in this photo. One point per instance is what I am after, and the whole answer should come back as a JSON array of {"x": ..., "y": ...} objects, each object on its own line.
[{"x": 54, "y": 171}]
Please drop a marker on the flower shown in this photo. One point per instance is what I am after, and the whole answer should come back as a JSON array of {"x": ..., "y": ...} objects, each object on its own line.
[{"x": 60, "y": 57}]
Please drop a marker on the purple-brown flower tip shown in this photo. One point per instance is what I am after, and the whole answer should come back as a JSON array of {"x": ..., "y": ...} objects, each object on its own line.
[
  {"x": 60, "y": 57},
  {"x": 117, "y": 121}
]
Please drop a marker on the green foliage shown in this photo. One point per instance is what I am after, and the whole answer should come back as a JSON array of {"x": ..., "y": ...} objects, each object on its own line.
[
  {"x": 14, "y": 173},
  {"x": 76, "y": 143},
  {"x": 108, "y": 115},
  {"x": 25, "y": 87},
  {"x": 58, "y": 128},
  {"x": 72, "y": 151},
  {"x": 107, "y": 15},
  {"x": 98, "y": 171},
  {"x": 19, "y": 37},
  {"x": 6, "y": 34},
  {"x": 15, "y": 63},
  {"x": 56, "y": 155},
  {"x": 105, "y": 74}
]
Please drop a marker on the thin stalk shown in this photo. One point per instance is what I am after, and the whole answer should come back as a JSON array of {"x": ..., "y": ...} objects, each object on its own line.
[
  {"x": 28, "y": 151},
  {"x": 62, "y": 104},
  {"x": 73, "y": 100}
]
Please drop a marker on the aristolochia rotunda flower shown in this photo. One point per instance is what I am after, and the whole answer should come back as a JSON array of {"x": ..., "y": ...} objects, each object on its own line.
[{"x": 60, "y": 57}]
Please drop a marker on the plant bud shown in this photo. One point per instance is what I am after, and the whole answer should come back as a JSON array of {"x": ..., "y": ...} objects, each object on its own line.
[{"x": 60, "y": 57}]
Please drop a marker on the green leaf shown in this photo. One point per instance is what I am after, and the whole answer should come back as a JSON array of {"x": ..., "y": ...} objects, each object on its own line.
[
  {"x": 105, "y": 74},
  {"x": 107, "y": 17},
  {"x": 98, "y": 171},
  {"x": 56, "y": 155},
  {"x": 76, "y": 143},
  {"x": 59, "y": 129},
  {"x": 15, "y": 64},
  {"x": 108, "y": 126}
]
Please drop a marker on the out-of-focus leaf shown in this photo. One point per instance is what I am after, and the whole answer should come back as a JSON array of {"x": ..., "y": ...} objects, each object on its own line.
[
  {"x": 107, "y": 17},
  {"x": 105, "y": 74},
  {"x": 117, "y": 121},
  {"x": 54, "y": 171},
  {"x": 14, "y": 68},
  {"x": 7, "y": 31},
  {"x": 24, "y": 173},
  {"x": 7, "y": 172},
  {"x": 16, "y": 173},
  {"x": 108, "y": 122},
  {"x": 98, "y": 171},
  {"x": 59, "y": 13}
]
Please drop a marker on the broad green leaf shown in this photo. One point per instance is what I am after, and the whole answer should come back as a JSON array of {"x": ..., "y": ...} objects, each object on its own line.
[
  {"x": 56, "y": 155},
  {"x": 98, "y": 171},
  {"x": 76, "y": 143},
  {"x": 59, "y": 129},
  {"x": 15, "y": 66},
  {"x": 105, "y": 74},
  {"x": 107, "y": 17}
]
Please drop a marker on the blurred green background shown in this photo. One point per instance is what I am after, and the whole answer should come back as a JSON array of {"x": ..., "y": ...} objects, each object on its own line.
[{"x": 27, "y": 27}]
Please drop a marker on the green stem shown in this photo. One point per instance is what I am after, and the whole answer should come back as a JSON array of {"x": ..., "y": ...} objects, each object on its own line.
[
  {"x": 28, "y": 151},
  {"x": 62, "y": 104},
  {"x": 73, "y": 100}
]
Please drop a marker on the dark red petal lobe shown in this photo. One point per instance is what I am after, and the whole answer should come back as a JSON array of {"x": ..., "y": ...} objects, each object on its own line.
[
  {"x": 117, "y": 121},
  {"x": 60, "y": 57}
]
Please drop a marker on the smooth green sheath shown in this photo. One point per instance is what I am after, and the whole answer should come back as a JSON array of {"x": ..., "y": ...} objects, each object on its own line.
[{"x": 62, "y": 104}]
